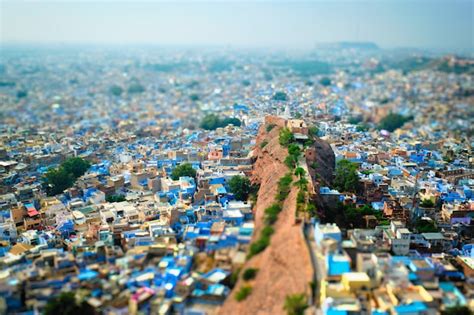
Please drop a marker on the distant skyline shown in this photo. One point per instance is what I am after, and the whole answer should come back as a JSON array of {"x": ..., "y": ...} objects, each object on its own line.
[{"x": 433, "y": 24}]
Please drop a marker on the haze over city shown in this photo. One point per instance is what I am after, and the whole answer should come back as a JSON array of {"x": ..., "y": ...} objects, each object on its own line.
[{"x": 437, "y": 24}]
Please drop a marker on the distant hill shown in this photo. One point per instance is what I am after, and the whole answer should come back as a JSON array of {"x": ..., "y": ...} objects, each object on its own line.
[
  {"x": 349, "y": 45},
  {"x": 448, "y": 64},
  {"x": 358, "y": 45}
]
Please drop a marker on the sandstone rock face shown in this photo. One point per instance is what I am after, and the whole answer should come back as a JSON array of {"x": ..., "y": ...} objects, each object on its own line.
[{"x": 284, "y": 266}]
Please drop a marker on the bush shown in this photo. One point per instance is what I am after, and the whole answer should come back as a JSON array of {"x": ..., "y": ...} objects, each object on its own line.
[
  {"x": 271, "y": 213},
  {"x": 263, "y": 144},
  {"x": 295, "y": 304},
  {"x": 258, "y": 246},
  {"x": 300, "y": 172},
  {"x": 182, "y": 170},
  {"x": 301, "y": 197},
  {"x": 311, "y": 209},
  {"x": 249, "y": 274},
  {"x": 290, "y": 162},
  {"x": 284, "y": 187},
  {"x": 231, "y": 280},
  {"x": 285, "y": 137},
  {"x": 267, "y": 231},
  {"x": 269, "y": 127},
  {"x": 243, "y": 293}
]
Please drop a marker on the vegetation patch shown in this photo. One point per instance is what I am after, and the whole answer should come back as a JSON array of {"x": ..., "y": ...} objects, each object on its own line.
[
  {"x": 346, "y": 176},
  {"x": 243, "y": 293},
  {"x": 212, "y": 122},
  {"x": 115, "y": 198},
  {"x": 269, "y": 127},
  {"x": 241, "y": 187},
  {"x": 59, "y": 179},
  {"x": 286, "y": 137},
  {"x": 284, "y": 187},
  {"x": 183, "y": 170},
  {"x": 393, "y": 121},
  {"x": 249, "y": 274},
  {"x": 295, "y": 304}
]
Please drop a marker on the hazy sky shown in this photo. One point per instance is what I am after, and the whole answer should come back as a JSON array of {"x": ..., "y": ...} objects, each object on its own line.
[{"x": 444, "y": 24}]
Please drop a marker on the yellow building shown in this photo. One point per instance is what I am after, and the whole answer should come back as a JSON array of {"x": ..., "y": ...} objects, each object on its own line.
[{"x": 354, "y": 281}]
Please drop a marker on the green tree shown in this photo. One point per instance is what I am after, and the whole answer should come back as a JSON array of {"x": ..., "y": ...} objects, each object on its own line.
[
  {"x": 57, "y": 180},
  {"x": 425, "y": 226},
  {"x": 355, "y": 120},
  {"x": 76, "y": 165},
  {"x": 22, "y": 94},
  {"x": 280, "y": 96},
  {"x": 427, "y": 203},
  {"x": 325, "y": 81},
  {"x": 66, "y": 304},
  {"x": 295, "y": 304},
  {"x": 346, "y": 176},
  {"x": 194, "y": 97},
  {"x": 231, "y": 121},
  {"x": 212, "y": 122},
  {"x": 183, "y": 170},
  {"x": 362, "y": 127},
  {"x": 115, "y": 198},
  {"x": 136, "y": 88},
  {"x": 116, "y": 90},
  {"x": 393, "y": 121},
  {"x": 457, "y": 310},
  {"x": 240, "y": 186},
  {"x": 294, "y": 149}
]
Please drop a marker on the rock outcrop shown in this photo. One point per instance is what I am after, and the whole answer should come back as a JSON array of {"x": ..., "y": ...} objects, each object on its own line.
[{"x": 285, "y": 266}]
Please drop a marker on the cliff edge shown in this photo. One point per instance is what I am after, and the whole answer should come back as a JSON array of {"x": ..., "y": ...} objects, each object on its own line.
[{"x": 285, "y": 266}]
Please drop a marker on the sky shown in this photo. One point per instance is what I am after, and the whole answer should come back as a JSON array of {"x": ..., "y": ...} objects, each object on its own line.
[{"x": 437, "y": 24}]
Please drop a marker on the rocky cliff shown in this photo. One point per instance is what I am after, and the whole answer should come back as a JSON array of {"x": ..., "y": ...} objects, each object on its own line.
[{"x": 284, "y": 266}]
